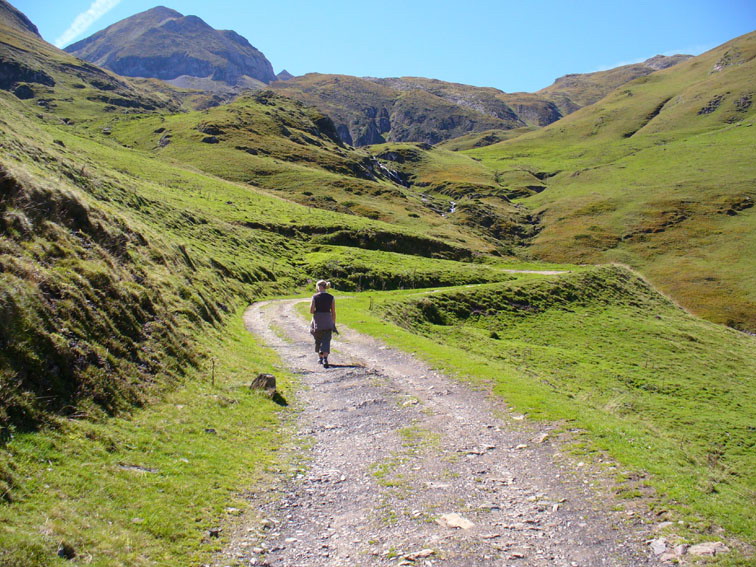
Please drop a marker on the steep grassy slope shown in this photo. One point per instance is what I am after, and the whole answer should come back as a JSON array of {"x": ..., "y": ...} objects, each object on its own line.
[
  {"x": 106, "y": 280},
  {"x": 662, "y": 391},
  {"x": 659, "y": 175},
  {"x": 146, "y": 489},
  {"x": 13, "y": 18}
]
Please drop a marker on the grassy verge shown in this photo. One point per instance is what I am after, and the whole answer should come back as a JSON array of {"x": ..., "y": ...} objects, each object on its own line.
[
  {"x": 145, "y": 490},
  {"x": 662, "y": 392}
]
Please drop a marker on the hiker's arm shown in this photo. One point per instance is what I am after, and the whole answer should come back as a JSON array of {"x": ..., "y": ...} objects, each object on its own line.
[
  {"x": 312, "y": 306},
  {"x": 333, "y": 310}
]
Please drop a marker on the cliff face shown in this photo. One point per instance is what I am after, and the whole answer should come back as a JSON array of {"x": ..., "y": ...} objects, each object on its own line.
[{"x": 163, "y": 44}]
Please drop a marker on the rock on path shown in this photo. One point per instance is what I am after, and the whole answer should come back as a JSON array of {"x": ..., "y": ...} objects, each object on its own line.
[{"x": 408, "y": 467}]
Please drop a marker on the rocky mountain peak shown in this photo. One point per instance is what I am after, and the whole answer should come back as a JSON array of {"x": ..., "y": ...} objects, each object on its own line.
[
  {"x": 284, "y": 76},
  {"x": 164, "y": 44},
  {"x": 161, "y": 12}
]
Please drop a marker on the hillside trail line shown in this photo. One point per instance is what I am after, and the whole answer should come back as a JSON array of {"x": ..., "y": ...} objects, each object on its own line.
[{"x": 405, "y": 466}]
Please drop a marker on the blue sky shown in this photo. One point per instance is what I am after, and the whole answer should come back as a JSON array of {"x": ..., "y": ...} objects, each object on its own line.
[{"x": 513, "y": 46}]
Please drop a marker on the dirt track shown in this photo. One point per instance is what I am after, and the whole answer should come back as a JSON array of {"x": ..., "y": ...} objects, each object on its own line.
[{"x": 397, "y": 447}]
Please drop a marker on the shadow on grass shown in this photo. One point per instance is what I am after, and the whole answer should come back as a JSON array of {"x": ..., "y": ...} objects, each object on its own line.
[{"x": 279, "y": 399}]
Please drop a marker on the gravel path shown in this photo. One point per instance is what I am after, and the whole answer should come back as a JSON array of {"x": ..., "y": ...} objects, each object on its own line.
[{"x": 409, "y": 467}]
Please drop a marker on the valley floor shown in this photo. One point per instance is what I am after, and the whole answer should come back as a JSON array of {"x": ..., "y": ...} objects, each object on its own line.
[{"x": 409, "y": 467}]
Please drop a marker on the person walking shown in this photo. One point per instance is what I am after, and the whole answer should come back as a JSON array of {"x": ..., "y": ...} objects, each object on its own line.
[{"x": 323, "y": 309}]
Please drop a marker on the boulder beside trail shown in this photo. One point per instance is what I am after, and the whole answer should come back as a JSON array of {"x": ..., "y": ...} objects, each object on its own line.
[{"x": 265, "y": 383}]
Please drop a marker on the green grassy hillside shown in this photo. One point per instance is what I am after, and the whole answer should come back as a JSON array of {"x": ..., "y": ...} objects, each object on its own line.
[
  {"x": 658, "y": 175},
  {"x": 359, "y": 269},
  {"x": 269, "y": 142},
  {"x": 106, "y": 277}
]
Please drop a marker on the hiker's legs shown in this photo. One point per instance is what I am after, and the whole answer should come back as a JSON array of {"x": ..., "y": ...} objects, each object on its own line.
[{"x": 323, "y": 345}]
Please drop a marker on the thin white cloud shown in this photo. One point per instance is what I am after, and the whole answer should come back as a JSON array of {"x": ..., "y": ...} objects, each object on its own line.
[{"x": 84, "y": 21}]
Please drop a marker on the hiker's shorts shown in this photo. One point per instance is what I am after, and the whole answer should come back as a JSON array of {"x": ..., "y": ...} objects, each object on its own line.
[{"x": 322, "y": 341}]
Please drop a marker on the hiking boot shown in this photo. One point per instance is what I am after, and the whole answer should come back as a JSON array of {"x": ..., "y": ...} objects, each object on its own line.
[{"x": 325, "y": 363}]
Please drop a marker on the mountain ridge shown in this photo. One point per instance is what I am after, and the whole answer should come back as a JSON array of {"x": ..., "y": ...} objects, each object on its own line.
[
  {"x": 371, "y": 110},
  {"x": 576, "y": 90}
]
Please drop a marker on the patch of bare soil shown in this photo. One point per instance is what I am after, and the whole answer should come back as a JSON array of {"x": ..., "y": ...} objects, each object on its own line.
[{"x": 405, "y": 466}]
